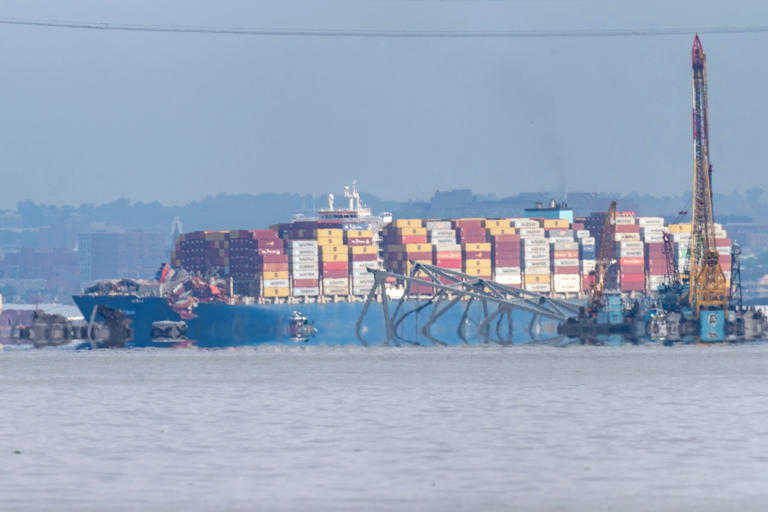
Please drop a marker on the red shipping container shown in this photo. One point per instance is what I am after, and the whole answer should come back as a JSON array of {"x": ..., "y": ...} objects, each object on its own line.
[
  {"x": 333, "y": 273},
  {"x": 448, "y": 263},
  {"x": 505, "y": 239},
  {"x": 506, "y": 246},
  {"x": 305, "y": 283},
  {"x": 334, "y": 265},
  {"x": 354, "y": 242},
  {"x": 363, "y": 257},
  {"x": 467, "y": 223},
  {"x": 455, "y": 255},
  {"x": 273, "y": 258},
  {"x": 628, "y": 262},
  {"x": 506, "y": 262},
  {"x": 632, "y": 278},
  {"x": 577, "y": 226},
  {"x": 627, "y": 228},
  {"x": 422, "y": 289},
  {"x": 565, "y": 254},
  {"x": 471, "y": 239},
  {"x": 274, "y": 267},
  {"x": 632, "y": 287},
  {"x": 566, "y": 270},
  {"x": 657, "y": 269},
  {"x": 477, "y": 255},
  {"x": 722, "y": 242},
  {"x": 633, "y": 269}
]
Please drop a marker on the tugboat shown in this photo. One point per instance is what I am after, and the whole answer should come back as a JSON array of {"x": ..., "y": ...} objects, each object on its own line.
[{"x": 300, "y": 329}]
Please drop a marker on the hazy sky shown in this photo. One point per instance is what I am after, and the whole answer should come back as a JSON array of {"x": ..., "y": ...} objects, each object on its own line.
[{"x": 95, "y": 115}]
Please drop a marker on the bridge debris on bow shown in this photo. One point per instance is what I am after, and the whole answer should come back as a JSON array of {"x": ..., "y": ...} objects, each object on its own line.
[{"x": 430, "y": 292}]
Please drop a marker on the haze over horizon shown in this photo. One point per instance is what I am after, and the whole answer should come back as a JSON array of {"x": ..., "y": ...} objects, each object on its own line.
[{"x": 94, "y": 115}]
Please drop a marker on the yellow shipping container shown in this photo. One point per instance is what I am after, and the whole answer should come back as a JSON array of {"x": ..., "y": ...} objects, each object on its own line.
[
  {"x": 679, "y": 228},
  {"x": 497, "y": 223},
  {"x": 329, "y": 233},
  {"x": 416, "y": 231},
  {"x": 364, "y": 249},
  {"x": 477, "y": 264},
  {"x": 536, "y": 278},
  {"x": 332, "y": 249},
  {"x": 477, "y": 247},
  {"x": 406, "y": 223},
  {"x": 359, "y": 233},
  {"x": 275, "y": 292},
  {"x": 555, "y": 223},
  {"x": 275, "y": 275},
  {"x": 334, "y": 256},
  {"x": 479, "y": 272},
  {"x": 322, "y": 242},
  {"x": 501, "y": 231}
]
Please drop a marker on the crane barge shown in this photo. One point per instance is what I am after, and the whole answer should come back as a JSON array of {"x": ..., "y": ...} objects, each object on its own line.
[{"x": 693, "y": 304}]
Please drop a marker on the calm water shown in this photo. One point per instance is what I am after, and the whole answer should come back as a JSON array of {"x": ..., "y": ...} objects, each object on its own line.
[{"x": 532, "y": 428}]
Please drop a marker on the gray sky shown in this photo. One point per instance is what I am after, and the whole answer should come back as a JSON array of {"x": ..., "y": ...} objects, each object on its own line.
[{"x": 96, "y": 115}]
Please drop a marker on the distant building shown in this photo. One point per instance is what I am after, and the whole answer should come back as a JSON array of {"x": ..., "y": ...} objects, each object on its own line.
[
  {"x": 112, "y": 255},
  {"x": 555, "y": 210}
]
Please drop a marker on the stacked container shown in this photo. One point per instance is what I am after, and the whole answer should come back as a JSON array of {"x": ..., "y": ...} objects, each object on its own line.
[
  {"x": 588, "y": 257},
  {"x": 681, "y": 236},
  {"x": 334, "y": 261},
  {"x": 363, "y": 254},
  {"x": 505, "y": 255},
  {"x": 631, "y": 265},
  {"x": 723, "y": 246},
  {"x": 477, "y": 259},
  {"x": 565, "y": 267},
  {"x": 304, "y": 265},
  {"x": 469, "y": 231},
  {"x": 655, "y": 265},
  {"x": 536, "y": 269},
  {"x": 651, "y": 229}
]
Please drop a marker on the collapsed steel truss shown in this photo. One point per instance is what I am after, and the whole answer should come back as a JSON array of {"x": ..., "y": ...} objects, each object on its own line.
[{"x": 451, "y": 289}]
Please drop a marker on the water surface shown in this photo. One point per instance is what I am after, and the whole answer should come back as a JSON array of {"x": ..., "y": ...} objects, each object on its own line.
[{"x": 460, "y": 428}]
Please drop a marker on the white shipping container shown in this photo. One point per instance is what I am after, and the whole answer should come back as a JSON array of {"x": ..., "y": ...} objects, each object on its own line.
[
  {"x": 531, "y": 242},
  {"x": 512, "y": 280},
  {"x": 276, "y": 283},
  {"x": 650, "y": 221},
  {"x": 566, "y": 278},
  {"x": 301, "y": 258},
  {"x": 537, "y": 287},
  {"x": 724, "y": 251},
  {"x": 305, "y": 274},
  {"x": 621, "y": 237},
  {"x": 438, "y": 224},
  {"x": 720, "y": 234},
  {"x": 560, "y": 239},
  {"x": 302, "y": 244},
  {"x": 631, "y": 253},
  {"x": 443, "y": 241},
  {"x": 507, "y": 271},
  {"x": 340, "y": 282},
  {"x": 653, "y": 237},
  {"x": 590, "y": 240},
  {"x": 525, "y": 223},
  {"x": 532, "y": 232},
  {"x": 582, "y": 233},
  {"x": 363, "y": 265},
  {"x": 566, "y": 262},
  {"x": 443, "y": 233},
  {"x": 531, "y": 263},
  {"x": 565, "y": 246},
  {"x": 537, "y": 271},
  {"x": 306, "y": 292},
  {"x": 622, "y": 220},
  {"x": 566, "y": 288},
  {"x": 300, "y": 267},
  {"x": 631, "y": 245}
]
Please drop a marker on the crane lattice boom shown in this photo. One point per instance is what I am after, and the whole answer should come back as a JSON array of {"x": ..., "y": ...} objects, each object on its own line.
[{"x": 707, "y": 281}]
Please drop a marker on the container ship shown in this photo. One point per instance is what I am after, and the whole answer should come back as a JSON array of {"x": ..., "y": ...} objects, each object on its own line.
[{"x": 245, "y": 287}]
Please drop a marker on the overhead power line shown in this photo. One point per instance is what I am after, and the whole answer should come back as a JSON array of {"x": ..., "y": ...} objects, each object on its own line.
[{"x": 387, "y": 33}]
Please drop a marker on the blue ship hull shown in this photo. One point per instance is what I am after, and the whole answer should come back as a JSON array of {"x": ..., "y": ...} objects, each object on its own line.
[{"x": 219, "y": 325}]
